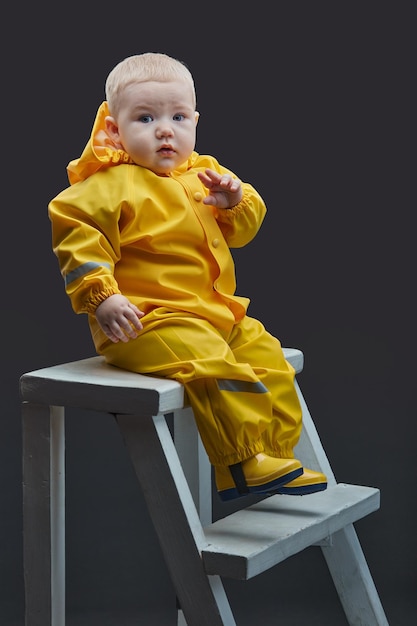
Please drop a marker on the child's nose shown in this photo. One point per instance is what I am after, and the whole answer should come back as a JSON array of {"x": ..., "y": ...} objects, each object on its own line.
[{"x": 164, "y": 130}]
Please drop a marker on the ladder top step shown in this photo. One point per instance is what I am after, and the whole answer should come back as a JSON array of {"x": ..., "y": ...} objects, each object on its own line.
[
  {"x": 252, "y": 540},
  {"x": 93, "y": 384}
]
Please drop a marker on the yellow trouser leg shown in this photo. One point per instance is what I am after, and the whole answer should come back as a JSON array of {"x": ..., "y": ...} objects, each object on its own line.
[
  {"x": 264, "y": 352},
  {"x": 239, "y": 385},
  {"x": 230, "y": 423}
]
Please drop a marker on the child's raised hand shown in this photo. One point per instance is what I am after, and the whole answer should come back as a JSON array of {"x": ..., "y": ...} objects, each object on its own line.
[
  {"x": 119, "y": 319},
  {"x": 224, "y": 190}
]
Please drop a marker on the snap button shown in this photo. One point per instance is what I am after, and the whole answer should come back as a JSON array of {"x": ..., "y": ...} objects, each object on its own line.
[
  {"x": 215, "y": 243},
  {"x": 198, "y": 196}
]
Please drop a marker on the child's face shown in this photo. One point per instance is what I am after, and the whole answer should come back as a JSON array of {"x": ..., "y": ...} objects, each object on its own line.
[{"x": 156, "y": 124}]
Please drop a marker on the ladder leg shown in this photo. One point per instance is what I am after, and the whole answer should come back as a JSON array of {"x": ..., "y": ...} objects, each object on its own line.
[
  {"x": 353, "y": 580},
  {"x": 222, "y": 602},
  {"x": 194, "y": 462},
  {"x": 43, "y": 514},
  {"x": 197, "y": 471},
  {"x": 58, "y": 515},
  {"x": 342, "y": 552},
  {"x": 309, "y": 448},
  {"x": 175, "y": 519}
]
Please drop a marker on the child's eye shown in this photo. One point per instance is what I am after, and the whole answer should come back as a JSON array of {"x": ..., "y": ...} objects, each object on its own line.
[
  {"x": 146, "y": 119},
  {"x": 178, "y": 117}
]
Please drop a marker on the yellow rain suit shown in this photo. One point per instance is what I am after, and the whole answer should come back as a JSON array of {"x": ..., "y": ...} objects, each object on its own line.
[{"x": 120, "y": 228}]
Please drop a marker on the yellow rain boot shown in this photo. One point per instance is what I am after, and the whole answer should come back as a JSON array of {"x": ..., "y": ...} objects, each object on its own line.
[{"x": 257, "y": 475}]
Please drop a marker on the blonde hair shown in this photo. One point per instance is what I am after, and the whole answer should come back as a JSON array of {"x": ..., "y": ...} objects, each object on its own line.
[{"x": 141, "y": 68}]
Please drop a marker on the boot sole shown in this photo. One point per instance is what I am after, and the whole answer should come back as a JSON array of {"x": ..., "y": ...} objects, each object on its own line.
[
  {"x": 299, "y": 491},
  {"x": 266, "y": 488}
]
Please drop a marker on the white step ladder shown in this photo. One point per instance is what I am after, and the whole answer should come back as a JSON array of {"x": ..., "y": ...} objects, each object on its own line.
[{"x": 175, "y": 476}]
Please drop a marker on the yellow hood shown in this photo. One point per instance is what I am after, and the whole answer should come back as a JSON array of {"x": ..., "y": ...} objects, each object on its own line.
[{"x": 101, "y": 152}]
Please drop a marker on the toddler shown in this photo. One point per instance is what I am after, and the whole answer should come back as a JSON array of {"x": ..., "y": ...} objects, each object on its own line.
[{"x": 143, "y": 236}]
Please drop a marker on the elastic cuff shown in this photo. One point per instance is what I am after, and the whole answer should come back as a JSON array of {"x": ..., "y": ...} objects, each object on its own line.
[{"x": 238, "y": 456}]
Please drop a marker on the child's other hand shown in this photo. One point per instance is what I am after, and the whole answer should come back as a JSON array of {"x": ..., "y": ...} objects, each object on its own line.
[
  {"x": 119, "y": 319},
  {"x": 224, "y": 191}
]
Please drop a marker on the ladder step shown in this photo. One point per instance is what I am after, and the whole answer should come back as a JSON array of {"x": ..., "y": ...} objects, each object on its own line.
[{"x": 252, "y": 540}]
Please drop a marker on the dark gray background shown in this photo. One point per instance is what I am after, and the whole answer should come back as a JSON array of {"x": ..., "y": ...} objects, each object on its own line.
[{"x": 311, "y": 103}]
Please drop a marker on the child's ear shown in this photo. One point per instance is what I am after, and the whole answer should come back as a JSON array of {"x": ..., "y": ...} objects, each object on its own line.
[
  {"x": 197, "y": 117},
  {"x": 112, "y": 128}
]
